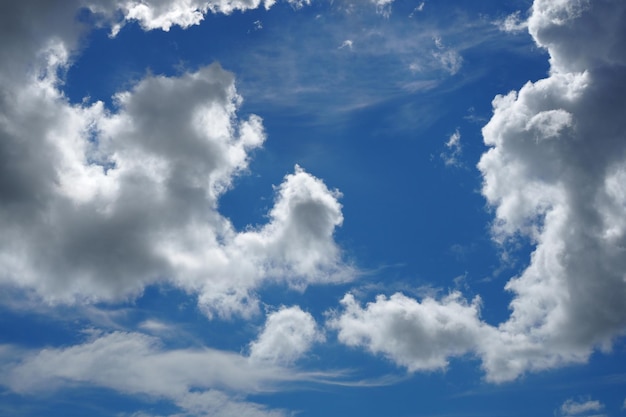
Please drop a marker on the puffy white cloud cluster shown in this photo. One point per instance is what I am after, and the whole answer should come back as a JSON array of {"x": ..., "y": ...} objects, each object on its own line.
[
  {"x": 420, "y": 336},
  {"x": 582, "y": 408},
  {"x": 288, "y": 334},
  {"x": 95, "y": 204},
  {"x": 555, "y": 174}
]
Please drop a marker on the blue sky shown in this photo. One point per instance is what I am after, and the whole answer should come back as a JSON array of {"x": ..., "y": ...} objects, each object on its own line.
[{"x": 302, "y": 208}]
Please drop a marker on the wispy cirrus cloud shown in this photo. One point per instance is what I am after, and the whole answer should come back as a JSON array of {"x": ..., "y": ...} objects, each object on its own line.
[{"x": 199, "y": 381}]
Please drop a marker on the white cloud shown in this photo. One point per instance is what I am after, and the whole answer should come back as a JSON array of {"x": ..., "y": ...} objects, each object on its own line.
[
  {"x": 163, "y": 14},
  {"x": 297, "y": 245},
  {"x": 557, "y": 155},
  {"x": 215, "y": 403},
  {"x": 132, "y": 363},
  {"x": 556, "y": 174},
  {"x": 579, "y": 34},
  {"x": 346, "y": 44},
  {"x": 137, "y": 363},
  {"x": 453, "y": 150},
  {"x": 98, "y": 204},
  {"x": 418, "y": 9},
  {"x": 198, "y": 380},
  {"x": 22, "y": 47},
  {"x": 420, "y": 336},
  {"x": 287, "y": 335},
  {"x": 449, "y": 59},
  {"x": 582, "y": 408},
  {"x": 512, "y": 23}
]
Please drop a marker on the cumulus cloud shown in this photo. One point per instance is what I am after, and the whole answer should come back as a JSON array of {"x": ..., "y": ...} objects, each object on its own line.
[
  {"x": 420, "y": 336},
  {"x": 297, "y": 244},
  {"x": 96, "y": 204},
  {"x": 34, "y": 31},
  {"x": 287, "y": 335},
  {"x": 555, "y": 174}
]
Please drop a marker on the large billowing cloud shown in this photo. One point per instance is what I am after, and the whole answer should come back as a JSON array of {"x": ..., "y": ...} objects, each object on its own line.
[
  {"x": 556, "y": 175},
  {"x": 96, "y": 204}
]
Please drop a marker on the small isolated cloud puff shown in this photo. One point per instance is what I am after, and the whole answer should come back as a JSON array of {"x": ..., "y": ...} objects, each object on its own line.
[
  {"x": 581, "y": 408},
  {"x": 453, "y": 150},
  {"x": 346, "y": 44},
  {"x": 287, "y": 335}
]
